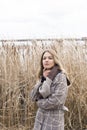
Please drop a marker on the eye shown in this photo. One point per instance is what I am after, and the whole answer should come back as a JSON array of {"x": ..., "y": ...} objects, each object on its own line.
[
  {"x": 50, "y": 57},
  {"x": 44, "y": 58}
]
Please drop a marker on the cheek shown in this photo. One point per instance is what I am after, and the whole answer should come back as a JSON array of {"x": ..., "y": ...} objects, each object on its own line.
[
  {"x": 42, "y": 61},
  {"x": 52, "y": 63}
]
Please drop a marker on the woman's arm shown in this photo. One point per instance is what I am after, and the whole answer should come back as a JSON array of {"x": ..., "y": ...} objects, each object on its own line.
[
  {"x": 44, "y": 89},
  {"x": 41, "y": 90},
  {"x": 58, "y": 98},
  {"x": 35, "y": 91}
]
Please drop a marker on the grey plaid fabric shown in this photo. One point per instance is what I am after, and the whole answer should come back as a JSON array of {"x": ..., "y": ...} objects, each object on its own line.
[
  {"x": 49, "y": 120},
  {"x": 50, "y": 114}
]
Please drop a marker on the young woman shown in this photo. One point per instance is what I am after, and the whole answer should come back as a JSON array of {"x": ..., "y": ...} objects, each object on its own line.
[{"x": 50, "y": 93}]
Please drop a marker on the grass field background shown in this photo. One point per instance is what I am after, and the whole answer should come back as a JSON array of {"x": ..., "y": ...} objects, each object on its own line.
[{"x": 19, "y": 61}]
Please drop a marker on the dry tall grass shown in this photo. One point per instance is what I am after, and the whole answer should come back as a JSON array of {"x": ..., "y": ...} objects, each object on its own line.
[{"x": 18, "y": 70}]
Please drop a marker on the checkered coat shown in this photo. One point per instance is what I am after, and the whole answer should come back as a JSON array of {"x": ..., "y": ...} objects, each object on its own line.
[{"x": 50, "y": 113}]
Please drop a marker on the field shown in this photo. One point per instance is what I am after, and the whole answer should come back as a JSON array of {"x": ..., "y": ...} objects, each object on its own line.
[{"x": 18, "y": 73}]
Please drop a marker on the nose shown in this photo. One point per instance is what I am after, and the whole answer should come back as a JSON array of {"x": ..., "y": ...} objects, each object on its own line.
[{"x": 46, "y": 59}]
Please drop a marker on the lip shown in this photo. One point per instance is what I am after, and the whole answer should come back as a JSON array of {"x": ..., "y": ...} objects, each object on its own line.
[{"x": 46, "y": 64}]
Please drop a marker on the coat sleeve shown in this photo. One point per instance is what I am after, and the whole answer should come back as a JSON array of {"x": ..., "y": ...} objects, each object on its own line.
[
  {"x": 44, "y": 89},
  {"x": 34, "y": 91},
  {"x": 57, "y": 98}
]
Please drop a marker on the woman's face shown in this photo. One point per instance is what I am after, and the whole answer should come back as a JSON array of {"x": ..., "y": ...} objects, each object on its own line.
[{"x": 48, "y": 60}]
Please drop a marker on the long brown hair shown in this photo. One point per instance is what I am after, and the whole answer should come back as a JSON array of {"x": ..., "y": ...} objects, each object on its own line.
[{"x": 56, "y": 60}]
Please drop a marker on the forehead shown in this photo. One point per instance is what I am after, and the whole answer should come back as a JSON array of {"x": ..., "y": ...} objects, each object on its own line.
[{"x": 47, "y": 54}]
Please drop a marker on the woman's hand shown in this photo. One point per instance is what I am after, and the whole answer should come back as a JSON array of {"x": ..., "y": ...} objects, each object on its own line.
[{"x": 46, "y": 72}]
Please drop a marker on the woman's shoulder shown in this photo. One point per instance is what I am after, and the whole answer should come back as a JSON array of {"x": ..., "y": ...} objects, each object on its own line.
[
  {"x": 60, "y": 73},
  {"x": 59, "y": 76},
  {"x": 62, "y": 76}
]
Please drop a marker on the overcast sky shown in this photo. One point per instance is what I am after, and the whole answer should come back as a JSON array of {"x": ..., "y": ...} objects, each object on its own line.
[{"x": 43, "y": 19}]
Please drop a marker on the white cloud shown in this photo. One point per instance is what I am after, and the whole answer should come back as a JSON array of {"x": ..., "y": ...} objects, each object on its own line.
[
  {"x": 16, "y": 9},
  {"x": 37, "y": 18}
]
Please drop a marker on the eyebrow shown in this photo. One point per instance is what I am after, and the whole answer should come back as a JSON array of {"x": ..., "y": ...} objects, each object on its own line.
[{"x": 48, "y": 56}]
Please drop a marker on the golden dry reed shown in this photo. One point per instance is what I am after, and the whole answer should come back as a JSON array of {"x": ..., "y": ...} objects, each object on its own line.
[{"x": 18, "y": 74}]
